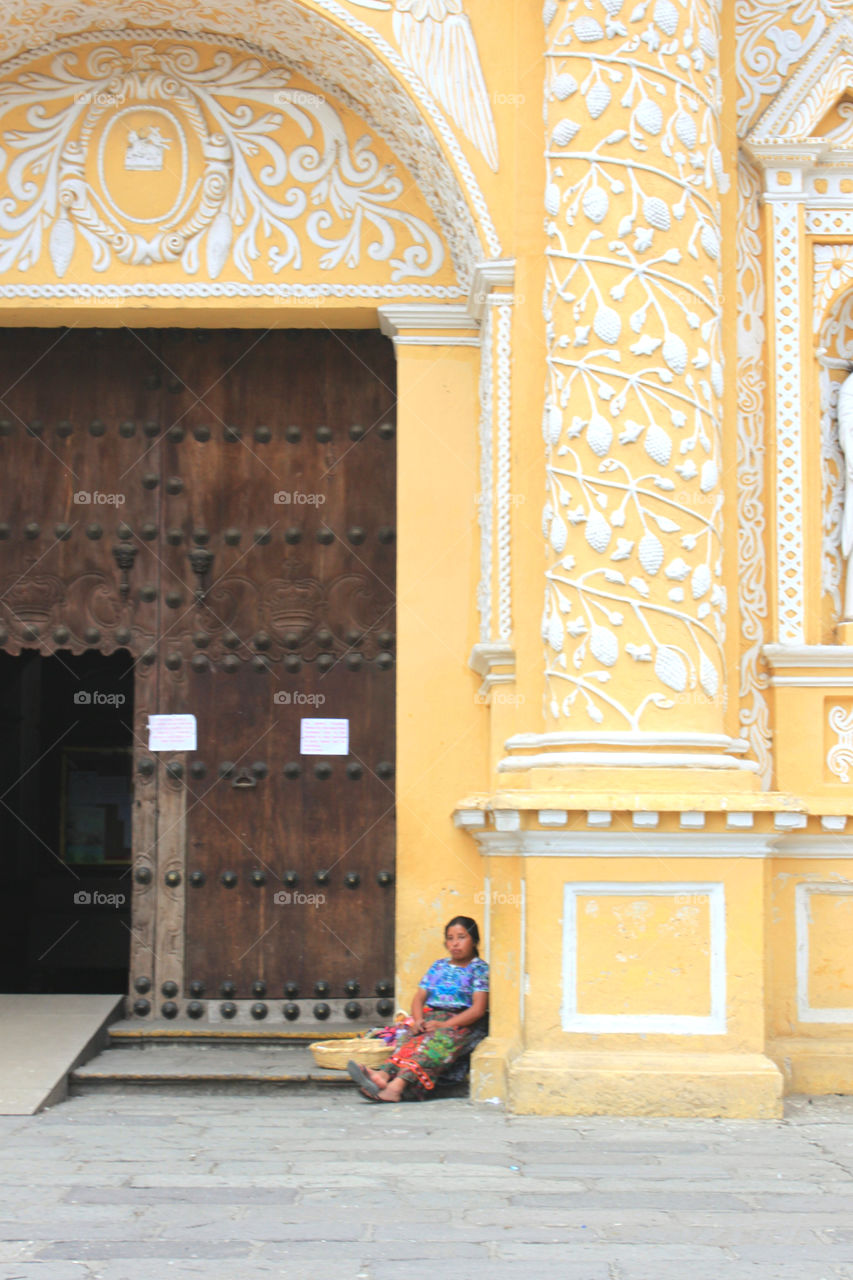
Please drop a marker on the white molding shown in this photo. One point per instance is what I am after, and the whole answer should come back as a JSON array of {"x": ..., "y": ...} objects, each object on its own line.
[
  {"x": 599, "y": 817},
  {"x": 566, "y": 738},
  {"x": 451, "y": 321},
  {"x": 622, "y": 759},
  {"x": 507, "y": 820},
  {"x": 553, "y": 817},
  {"x": 740, "y": 820},
  {"x": 834, "y": 821},
  {"x": 646, "y": 752},
  {"x": 786, "y": 821},
  {"x": 662, "y": 1023},
  {"x": 809, "y": 655},
  {"x": 812, "y": 682},
  {"x": 645, "y": 818},
  {"x": 625, "y": 844},
  {"x": 487, "y": 277},
  {"x": 494, "y": 660},
  {"x": 469, "y": 818},
  {"x": 822, "y": 847},
  {"x": 692, "y": 818},
  {"x": 802, "y": 916},
  {"x": 318, "y": 290},
  {"x": 420, "y": 340}
]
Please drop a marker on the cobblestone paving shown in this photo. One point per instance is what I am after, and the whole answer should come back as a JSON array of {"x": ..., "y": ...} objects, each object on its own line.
[{"x": 320, "y": 1186}]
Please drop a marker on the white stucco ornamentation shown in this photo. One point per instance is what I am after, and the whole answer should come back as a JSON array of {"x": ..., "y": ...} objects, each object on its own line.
[
  {"x": 754, "y": 713},
  {"x": 436, "y": 41},
  {"x": 773, "y": 36},
  {"x": 632, "y": 415},
  {"x": 332, "y": 47},
  {"x": 192, "y": 131},
  {"x": 839, "y": 758},
  {"x": 504, "y": 461}
]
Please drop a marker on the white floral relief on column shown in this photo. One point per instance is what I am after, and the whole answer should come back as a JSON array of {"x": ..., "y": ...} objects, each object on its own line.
[
  {"x": 754, "y": 714},
  {"x": 839, "y": 758},
  {"x": 632, "y": 305}
]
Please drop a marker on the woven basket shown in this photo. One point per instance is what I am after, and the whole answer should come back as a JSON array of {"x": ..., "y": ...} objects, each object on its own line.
[{"x": 335, "y": 1054}]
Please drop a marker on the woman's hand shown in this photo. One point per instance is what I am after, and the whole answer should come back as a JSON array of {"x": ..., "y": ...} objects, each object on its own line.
[
  {"x": 433, "y": 1025},
  {"x": 418, "y": 1025}
]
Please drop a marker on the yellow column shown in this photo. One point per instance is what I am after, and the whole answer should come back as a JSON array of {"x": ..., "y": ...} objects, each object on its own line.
[
  {"x": 441, "y": 728},
  {"x": 634, "y": 598}
]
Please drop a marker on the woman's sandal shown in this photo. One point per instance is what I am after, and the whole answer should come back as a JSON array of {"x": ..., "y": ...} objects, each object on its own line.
[{"x": 367, "y": 1086}]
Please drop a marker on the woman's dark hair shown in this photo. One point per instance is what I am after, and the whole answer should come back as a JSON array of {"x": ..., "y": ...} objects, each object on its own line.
[{"x": 470, "y": 927}]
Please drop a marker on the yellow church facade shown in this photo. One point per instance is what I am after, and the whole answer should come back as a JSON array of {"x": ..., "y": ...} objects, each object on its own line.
[{"x": 612, "y": 244}]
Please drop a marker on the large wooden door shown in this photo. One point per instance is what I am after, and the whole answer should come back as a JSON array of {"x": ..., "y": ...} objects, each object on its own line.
[{"x": 248, "y": 564}]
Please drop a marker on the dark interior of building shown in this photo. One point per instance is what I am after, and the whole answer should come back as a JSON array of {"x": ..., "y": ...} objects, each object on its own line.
[{"x": 65, "y": 817}]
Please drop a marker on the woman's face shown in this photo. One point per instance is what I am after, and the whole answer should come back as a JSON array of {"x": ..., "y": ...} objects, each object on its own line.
[{"x": 459, "y": 943}]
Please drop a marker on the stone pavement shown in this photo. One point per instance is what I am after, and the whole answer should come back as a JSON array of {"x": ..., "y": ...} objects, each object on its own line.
[{"x": 326, "y": 1186}]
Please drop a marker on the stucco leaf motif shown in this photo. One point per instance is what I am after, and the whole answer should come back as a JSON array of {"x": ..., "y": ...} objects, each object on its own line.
[{"x": 436, "y": 40}]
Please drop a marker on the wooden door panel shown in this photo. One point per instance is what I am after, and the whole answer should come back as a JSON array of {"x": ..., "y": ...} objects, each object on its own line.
[
  {"x": 76, "y": 409},
  {"x": 296, "y": 620}
]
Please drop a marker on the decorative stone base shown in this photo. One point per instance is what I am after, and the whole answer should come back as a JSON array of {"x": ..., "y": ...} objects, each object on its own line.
[
  {"x": 814, "y": 1066},
  {"x": 610, "y": 1082}
]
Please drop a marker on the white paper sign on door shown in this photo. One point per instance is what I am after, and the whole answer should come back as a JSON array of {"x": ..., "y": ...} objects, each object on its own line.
[
  {"x": 324, "y": 737},
  {"x": 172, "y": 733}
]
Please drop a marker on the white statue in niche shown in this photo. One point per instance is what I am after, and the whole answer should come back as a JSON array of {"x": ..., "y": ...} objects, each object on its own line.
[{"x": 845, "y": 439}]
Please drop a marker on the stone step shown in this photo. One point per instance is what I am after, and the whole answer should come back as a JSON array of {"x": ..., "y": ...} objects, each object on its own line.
[
  {"x": 132, "y": 1032},
  {"x": 204, "y": 1068}
]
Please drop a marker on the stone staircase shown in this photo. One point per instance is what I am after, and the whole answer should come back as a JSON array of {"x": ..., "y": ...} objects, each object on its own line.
[{"x": 159, "y": 1055}]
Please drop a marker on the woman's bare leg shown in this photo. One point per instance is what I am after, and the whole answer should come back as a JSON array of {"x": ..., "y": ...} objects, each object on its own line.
[
  {"x": 394, "y": 1091},
  {"x": 378, "y": 1077}
]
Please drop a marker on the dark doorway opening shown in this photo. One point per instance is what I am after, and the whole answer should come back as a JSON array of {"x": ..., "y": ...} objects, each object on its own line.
[{"x": 65, "y": 818}]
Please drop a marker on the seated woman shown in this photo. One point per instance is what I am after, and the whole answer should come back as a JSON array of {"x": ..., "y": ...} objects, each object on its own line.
[{"x": 449, "y": 1017}]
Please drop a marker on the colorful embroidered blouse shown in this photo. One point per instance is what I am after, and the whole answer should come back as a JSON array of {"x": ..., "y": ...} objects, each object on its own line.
[{"x": 452, "y": 986}]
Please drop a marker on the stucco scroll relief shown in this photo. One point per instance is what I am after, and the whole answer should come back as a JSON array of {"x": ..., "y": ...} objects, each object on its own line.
[
  {"x": 632, "y": 413},
  {"x": 839, "y": 758},
  {"x": 212, "y": 160},
  {"x": 438, "y": 44}
]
